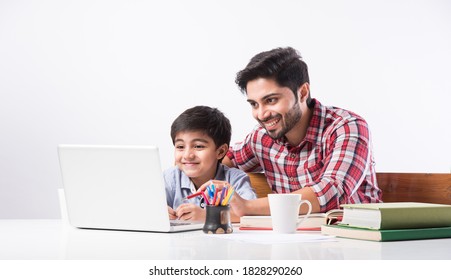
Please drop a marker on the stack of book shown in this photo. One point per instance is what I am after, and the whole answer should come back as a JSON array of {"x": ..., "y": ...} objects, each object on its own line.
[
  {"x": 312, "y": 223},
  {"x": 393, "y": 221}
]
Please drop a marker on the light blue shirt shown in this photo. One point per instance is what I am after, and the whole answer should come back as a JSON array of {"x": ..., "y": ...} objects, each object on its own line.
[{"x": 179, "y": 186}]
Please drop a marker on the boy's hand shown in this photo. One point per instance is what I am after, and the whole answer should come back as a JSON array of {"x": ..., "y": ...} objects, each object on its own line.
[
  {"x": 190, "y": 212},
  {"x": 218, "y": 184},
  {"x": 172, "y": 214},
  {"x": 237, "y": 203}
]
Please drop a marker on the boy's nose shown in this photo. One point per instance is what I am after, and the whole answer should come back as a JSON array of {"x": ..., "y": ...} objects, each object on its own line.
[{"x": 188, "y": 153}]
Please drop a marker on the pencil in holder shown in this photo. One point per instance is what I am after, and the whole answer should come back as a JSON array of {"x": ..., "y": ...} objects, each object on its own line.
[{"x": 217, "y": 220}]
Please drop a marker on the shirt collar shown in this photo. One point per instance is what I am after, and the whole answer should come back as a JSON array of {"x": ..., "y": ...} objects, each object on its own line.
[
  {"x": 316, "y": 123},
  {"x": 185, "y": 181}
]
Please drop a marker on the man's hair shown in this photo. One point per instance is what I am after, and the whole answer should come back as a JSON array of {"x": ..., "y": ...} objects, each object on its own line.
[
  {"x": 209, "y": 120},
  {"x": 283, "y": 65}
]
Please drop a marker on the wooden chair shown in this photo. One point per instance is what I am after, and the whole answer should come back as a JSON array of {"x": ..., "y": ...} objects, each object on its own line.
[
  {"x": 396, "y": 187},
  {"x": 259, "y": 183},
  {"x": 415, "y": 187}
]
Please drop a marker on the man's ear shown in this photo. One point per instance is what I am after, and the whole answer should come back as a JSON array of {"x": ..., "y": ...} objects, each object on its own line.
[
  {"x": 303, "y": 92},
  {"x": 222, "y": 151}
]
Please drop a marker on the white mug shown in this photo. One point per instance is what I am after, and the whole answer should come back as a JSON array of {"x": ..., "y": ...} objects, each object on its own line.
[{"x": 285, "y": 211}]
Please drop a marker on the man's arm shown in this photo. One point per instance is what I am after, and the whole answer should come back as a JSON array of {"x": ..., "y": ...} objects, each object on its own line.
[
  {"x": 226, "y": 161},
  {"x": 260, "y": 206},
  {"x": 346, "y": 165}
]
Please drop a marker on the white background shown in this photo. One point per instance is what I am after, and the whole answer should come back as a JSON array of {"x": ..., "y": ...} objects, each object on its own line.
[{"x": 119, "y": 72}]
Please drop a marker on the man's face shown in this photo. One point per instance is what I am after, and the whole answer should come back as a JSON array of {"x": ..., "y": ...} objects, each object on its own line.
[{"x": 273, "y": 106}]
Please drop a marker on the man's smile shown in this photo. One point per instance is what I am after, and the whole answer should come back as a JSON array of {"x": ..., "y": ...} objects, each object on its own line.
[{"x": 271, "y": 122}]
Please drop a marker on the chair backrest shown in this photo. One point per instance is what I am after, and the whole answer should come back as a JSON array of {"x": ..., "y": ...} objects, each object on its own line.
[
  {"x": 396, "y": 187},
  {"x": 415, "y": 187},
  {"x": 260, "y": 185}
]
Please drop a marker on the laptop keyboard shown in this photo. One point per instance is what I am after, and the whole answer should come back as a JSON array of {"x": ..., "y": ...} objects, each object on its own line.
[{"x": 173, "y": 223}]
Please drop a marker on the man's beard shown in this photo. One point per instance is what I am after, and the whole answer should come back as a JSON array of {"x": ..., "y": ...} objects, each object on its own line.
[{"x": 288, "y": 121}]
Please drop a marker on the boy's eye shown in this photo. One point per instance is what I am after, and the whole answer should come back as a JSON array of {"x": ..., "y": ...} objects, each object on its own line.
[
  {"x": 199, "y": 147},
  {"x": 179, "y": 147}
]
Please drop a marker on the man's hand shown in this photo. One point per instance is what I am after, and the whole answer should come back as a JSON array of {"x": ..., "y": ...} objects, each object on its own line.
[{"x": 238, "y": 205}]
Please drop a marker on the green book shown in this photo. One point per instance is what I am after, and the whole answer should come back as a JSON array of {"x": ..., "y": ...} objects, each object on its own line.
[
  {"x": 386, "y": 234},
  {"x": 397, "y": 215}
]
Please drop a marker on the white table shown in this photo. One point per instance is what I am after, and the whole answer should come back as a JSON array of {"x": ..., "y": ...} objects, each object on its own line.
[{"x": 54, "y": 240}]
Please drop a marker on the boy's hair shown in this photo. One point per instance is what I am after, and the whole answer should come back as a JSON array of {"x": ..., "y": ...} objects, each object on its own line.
[
  {"x": 283, "y": 65},
  {"x": 209, "y": 120}
]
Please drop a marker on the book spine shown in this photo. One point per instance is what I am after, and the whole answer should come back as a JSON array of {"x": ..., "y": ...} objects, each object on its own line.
[
  {"x": 414, "y": 234},
  {"x": 396, "y": 218}
]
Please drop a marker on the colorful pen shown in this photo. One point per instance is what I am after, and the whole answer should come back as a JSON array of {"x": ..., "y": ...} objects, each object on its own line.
[
  {"x": 222, "y": 196},
  {"x": 205, "y": 198},
  {"x": 227, "y": 199},
  {"x": 211, "y": 190},
  {"x": 215, "y": 197},
  {"x": 193, "y": 195}
]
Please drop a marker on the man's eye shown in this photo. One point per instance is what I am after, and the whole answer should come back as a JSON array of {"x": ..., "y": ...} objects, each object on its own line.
[
  {"x": 179, "y": 147},
  {"x": 253, "y": 104},
  {"x": 271, "y": 100}
]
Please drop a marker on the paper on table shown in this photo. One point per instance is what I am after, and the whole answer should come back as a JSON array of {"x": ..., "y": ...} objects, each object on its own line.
[{"x": 269, "y": 237}]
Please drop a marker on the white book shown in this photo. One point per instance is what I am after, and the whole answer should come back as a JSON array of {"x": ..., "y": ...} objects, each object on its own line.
[{"x": 313, "y": 222}]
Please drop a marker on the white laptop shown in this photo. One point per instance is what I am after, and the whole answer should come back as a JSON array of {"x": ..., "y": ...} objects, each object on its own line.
[{"x": 116, "y": 187}]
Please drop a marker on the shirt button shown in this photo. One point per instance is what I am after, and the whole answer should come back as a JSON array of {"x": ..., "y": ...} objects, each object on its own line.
[
  {"x": 292, "y": 155},
  {"x": 291, "y": 179}
]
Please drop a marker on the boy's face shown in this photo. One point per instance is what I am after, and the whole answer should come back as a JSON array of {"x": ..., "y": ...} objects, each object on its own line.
[{"x": 197, "y": 156}]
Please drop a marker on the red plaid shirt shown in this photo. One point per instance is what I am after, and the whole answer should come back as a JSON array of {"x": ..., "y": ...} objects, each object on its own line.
[{"x": 335, "y": 159}]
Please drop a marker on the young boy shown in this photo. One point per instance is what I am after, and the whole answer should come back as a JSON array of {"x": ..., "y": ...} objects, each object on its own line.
[{"x": 201, "y": 137}]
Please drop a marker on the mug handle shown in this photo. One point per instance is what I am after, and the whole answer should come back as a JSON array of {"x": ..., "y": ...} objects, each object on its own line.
[{"x": 305, "y": 215}]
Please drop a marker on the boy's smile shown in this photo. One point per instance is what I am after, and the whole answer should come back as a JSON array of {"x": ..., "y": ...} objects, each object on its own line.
[{"x": 197, "y": 156}]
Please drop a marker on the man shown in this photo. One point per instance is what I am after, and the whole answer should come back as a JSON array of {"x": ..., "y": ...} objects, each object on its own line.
[{"x": 323, "y": 153}]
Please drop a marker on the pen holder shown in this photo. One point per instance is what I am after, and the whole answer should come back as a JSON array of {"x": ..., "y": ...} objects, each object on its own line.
[{"x": 217, "y": 220}]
